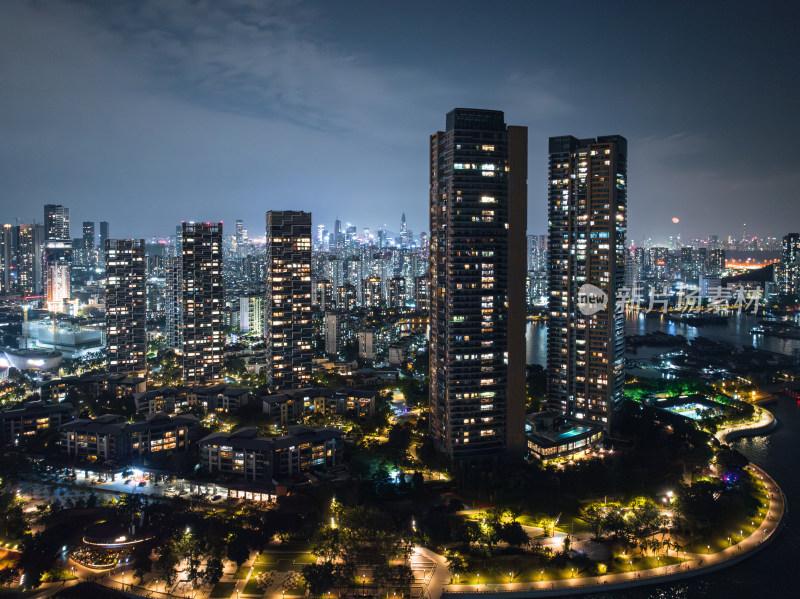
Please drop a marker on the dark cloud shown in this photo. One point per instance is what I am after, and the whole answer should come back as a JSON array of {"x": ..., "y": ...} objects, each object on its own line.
[{"x": 147, "y": 112}]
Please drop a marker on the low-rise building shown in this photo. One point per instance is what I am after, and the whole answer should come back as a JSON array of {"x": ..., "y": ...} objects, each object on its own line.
[
  {"x": 112, "y": 438},
  {"x": 293, "y": 405},
  {"x": 263, "y": 459},
  {"x": 94, "y": 383},
  {"x": 31, "y": 418},
  {"x": 167, "y": 400},
  {"x": 220, "y": 398},
  {"x": 551, "y": 435}
]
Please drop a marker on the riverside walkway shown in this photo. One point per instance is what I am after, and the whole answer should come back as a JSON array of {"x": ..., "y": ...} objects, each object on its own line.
[
  {"x": 695, "y": 564},
  {"x": 764, "y": 424}
]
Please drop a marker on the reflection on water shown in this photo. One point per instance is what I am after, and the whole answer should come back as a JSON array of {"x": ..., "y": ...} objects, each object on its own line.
[{"x": 735, "y": 331}]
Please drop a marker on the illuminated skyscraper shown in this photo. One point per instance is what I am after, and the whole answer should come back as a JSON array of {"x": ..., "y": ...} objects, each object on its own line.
[
  {"x": 397, "y": 292},
  {"x": 57, "y": 286},
  {"x": 789, "y": 271},
  {"x": 478, "y": 214},
  {"x": 173, "y": 305},
  {"x": 371, "y": 292},
  {"x": 202, "y": 300},
  {"x": 289, "y": 329},
  {"x": 29, "y": 259},
  {"x": 56, "y": 222},
  {"x": 588, "y": 218},
  {"x": 126, "y": 306},
  {"x": 88, "y": 236}
]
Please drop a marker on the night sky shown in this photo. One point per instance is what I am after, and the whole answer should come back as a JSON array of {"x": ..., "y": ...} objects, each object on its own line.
[{"x": 146, "y": 113}]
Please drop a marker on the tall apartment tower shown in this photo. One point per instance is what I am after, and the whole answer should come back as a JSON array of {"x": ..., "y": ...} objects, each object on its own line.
[
  {"x": 57, "y": 290},
  {"x": 478, "y": 214},
  {"x": 789, "y": 271},
  {"x": 56, "y": 222},
  {"x": 126, "y": 306},
  {"x": 103, "y": 233},
  {"x": 173, "y": 304},
  {"x": 29, "y": 259},
  {"x": 202, "y": 301},
  {"x": 587, "y": 203},
  {"x": 288, "y": 328}
]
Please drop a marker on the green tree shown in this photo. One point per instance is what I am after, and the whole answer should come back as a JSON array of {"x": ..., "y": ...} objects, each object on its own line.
[
  {"x": 214, "y": 570},
  {"x": 514, "y": 535},
  {"x": 238, "y": 550},
  {"x": 166, "y": 566}
]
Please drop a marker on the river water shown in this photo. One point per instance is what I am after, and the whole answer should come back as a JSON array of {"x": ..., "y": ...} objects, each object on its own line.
[
  {"x": 770, "y": 572},
  {"x": 735, "y": 331}
]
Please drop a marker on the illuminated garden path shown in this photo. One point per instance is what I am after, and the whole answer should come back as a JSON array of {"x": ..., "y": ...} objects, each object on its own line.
[{"x": 695, "y": 564}]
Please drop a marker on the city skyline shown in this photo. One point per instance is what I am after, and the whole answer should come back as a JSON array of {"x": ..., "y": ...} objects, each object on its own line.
[{"x": 206, "y": 135}]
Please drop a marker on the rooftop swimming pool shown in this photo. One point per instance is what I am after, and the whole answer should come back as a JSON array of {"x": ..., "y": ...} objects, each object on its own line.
[
  {"x": 692, "y": 410},
  {"x": 574, "y": 432}
]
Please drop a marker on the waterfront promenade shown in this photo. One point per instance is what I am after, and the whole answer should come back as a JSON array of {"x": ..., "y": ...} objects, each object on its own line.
[{"x": 695, "y": 564}]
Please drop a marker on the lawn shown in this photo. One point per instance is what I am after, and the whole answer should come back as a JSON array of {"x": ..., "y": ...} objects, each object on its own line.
[
  {"x": 259, "y": 568},
  {"x": 222, "y": 590},
  {"x": 251, "y": 588},
  {"x": 284, "y": 561}
]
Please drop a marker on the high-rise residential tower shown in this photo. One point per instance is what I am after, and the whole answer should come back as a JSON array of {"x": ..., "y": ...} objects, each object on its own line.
[
  {"x": 202, "y": 301},
  {"x": 288, "y": 328},
  {"x": 23, "y": 259},
  {"x": 56, "y": 222},
  {"x": 30, "y": 259},
  {"x": 57, "y": 290},
  {"x": 126, "y": 306},
  {"x": 587, "y": 203},
  {"x": 103, "y": 233},
  {"x": 88, "y": 236},
  {"x": 789, "y": 271},
  {"x": 173, "y": 301},
  {"x": 478, "y": 214}
]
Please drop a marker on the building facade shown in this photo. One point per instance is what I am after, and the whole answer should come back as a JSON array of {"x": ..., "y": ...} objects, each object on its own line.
[
  {"x": 202, "y": 301},
  {"x": 112, "y": 438},
  {"x": 126, "y": 306},
  {"x": 478, "y": 214},
  {"x": 789, "y": 271},
  {"x": 262, "y": 459},
  {"x": 288, "y": 327},
  {"x": 587, "y": 203}
]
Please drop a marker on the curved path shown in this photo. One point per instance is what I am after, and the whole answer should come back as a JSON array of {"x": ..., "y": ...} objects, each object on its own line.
[
  {"x": 765, "y": 424},
  {"x": 697, "y": 564}
]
